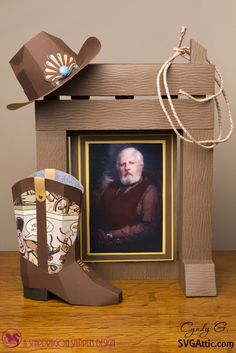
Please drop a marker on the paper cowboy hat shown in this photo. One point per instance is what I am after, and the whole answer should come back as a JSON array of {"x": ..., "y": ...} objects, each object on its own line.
[{"x": 45, "y": 63}]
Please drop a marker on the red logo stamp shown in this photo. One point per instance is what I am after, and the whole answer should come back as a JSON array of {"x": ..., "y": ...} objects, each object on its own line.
[{"x": 11, "y": 338}]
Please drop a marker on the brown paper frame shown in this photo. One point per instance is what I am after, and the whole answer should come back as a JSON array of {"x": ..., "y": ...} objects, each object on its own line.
[{"x": 167, "y": 141}]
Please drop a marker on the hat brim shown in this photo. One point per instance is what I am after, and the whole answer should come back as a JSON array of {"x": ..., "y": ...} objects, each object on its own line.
[{"x": 88, "y": 51}]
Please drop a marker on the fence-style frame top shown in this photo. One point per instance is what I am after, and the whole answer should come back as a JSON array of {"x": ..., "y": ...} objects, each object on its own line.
[{"x": 55, "y": 118}]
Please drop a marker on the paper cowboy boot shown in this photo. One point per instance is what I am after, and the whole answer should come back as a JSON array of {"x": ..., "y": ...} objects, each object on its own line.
[{"x": 47, "y": 208}]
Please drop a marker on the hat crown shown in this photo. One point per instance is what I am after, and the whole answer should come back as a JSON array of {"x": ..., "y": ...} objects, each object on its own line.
[{"x": 29, "y": 63}]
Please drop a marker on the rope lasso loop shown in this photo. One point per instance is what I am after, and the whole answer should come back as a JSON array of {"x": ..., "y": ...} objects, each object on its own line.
[{"x": 185, "y": 53}]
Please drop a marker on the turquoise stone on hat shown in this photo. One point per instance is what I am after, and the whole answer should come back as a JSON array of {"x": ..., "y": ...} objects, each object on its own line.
[{"x": 64, "y": 70}]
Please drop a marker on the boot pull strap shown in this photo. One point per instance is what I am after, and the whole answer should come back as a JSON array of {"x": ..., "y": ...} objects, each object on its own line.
[
  {"x": 50, "y": 174},
  {"x": 39, "y": 186}
]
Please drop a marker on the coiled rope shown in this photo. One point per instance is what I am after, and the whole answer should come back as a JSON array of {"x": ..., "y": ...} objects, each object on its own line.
[{"x": 185, "y": 53}]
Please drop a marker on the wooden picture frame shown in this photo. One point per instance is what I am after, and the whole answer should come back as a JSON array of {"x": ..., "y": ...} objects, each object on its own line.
[
  {"x": 122, "y": 98},
  {"x": 150, "y": 235}
]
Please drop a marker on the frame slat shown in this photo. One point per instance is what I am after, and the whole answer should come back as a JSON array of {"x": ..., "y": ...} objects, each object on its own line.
[
  {"x": 119, "y": 115},
  {"x": 138, "y": 79},
  {"x": 51, "y": 150}
]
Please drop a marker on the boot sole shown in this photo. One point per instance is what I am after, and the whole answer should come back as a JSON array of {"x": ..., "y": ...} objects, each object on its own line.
[{"x": 40, "y": 294}]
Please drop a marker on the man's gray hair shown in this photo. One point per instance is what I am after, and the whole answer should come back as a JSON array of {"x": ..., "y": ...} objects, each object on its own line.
[{"x": 133, "y": 151}]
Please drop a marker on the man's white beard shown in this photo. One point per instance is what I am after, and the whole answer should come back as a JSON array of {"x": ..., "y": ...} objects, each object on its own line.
[{"x": 130, "y": 179}]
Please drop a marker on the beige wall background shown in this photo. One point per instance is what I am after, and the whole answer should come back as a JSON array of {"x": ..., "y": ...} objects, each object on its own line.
[{"x": 131, "y": 31}]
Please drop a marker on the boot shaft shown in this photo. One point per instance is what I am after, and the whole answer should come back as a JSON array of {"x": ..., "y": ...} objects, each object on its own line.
[{"x": 47, "y": 217}]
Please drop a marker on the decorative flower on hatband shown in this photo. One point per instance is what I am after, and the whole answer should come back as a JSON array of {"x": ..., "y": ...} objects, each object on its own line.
[{"x": 58, "y": 66}]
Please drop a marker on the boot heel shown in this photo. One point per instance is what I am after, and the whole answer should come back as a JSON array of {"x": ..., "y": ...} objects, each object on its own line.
[{"x": 41, "y": 294}]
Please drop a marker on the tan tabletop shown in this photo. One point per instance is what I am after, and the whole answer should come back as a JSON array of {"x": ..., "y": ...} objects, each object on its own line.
[{"x": 148, "y": 320}]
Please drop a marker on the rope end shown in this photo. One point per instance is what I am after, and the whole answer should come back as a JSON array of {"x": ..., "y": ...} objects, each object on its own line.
[
  {"x": 183, "y": 30},
  {"x": 182, "y": 34}
]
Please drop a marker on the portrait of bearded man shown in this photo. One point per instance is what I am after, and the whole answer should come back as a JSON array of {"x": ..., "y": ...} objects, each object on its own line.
[{"x": 128, "y": 209}]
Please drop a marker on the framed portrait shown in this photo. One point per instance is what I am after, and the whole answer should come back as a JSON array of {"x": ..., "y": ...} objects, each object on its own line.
[{"x": 128, "y": 206}]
